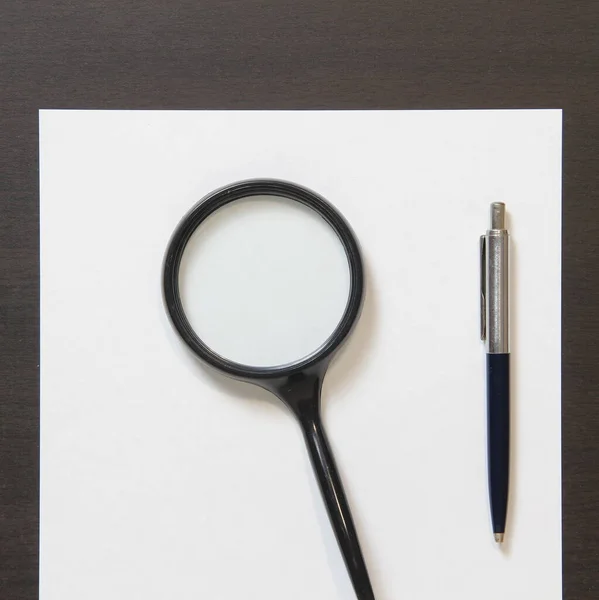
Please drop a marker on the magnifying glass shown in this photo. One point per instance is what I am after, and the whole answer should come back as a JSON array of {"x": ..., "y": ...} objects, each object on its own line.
[{"x": 263, "y": 281}]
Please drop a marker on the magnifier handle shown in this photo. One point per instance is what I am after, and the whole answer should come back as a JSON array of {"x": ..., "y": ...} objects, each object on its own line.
[{"x": 337, "y": 506}]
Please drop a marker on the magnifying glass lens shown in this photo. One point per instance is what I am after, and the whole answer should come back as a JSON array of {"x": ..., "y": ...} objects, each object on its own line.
[{"x": 264, "y": 281}]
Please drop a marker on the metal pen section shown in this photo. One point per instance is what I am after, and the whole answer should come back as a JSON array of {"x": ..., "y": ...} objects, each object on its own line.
[{"x": 495, "y": 283}]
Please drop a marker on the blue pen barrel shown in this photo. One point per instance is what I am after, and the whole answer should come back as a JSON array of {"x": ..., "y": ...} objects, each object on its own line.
[{"x": 498, "y": 436}]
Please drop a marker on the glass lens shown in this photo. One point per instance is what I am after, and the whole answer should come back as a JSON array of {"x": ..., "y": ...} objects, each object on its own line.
[{"x": 264, "y": 281}]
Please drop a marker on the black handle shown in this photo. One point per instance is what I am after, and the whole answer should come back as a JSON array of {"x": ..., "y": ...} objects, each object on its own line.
[
  {"x": 336, "y": 503},
  {"x": 498, "y": 436},
  {"x": 301, "y": 393}
]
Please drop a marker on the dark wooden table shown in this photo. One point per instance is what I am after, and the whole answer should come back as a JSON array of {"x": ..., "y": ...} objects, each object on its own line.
[{"x": 306, "y": 54}]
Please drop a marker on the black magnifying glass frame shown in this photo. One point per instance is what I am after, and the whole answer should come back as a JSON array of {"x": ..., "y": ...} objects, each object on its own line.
[{"x": 298, "y": 384}]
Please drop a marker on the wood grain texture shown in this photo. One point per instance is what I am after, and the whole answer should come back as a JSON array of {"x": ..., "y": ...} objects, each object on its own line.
[{"x": 309, "y": 54}]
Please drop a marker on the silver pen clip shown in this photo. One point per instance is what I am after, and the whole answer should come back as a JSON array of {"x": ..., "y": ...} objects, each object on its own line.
[{"x": 483, "y": 288}]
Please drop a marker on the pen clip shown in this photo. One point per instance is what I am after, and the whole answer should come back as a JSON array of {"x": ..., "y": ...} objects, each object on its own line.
[{"x": 483, "y": 288}]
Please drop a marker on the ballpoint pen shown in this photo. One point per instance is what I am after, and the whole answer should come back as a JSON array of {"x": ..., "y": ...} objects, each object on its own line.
[{"x": 494, "y": 255}]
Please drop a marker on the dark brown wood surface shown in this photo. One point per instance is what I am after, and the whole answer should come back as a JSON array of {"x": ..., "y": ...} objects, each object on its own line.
[{"x": 334, "y": 54}]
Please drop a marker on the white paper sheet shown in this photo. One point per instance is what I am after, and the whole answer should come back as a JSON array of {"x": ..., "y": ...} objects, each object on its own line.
[{"x": 160, "y": 480}]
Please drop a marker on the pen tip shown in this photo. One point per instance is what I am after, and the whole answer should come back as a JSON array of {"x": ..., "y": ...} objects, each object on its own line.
[{"x": 498, "y": 537}]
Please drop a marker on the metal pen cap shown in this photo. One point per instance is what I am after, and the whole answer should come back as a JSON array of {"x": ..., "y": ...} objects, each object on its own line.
[{"x": 494, "y": 280}]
